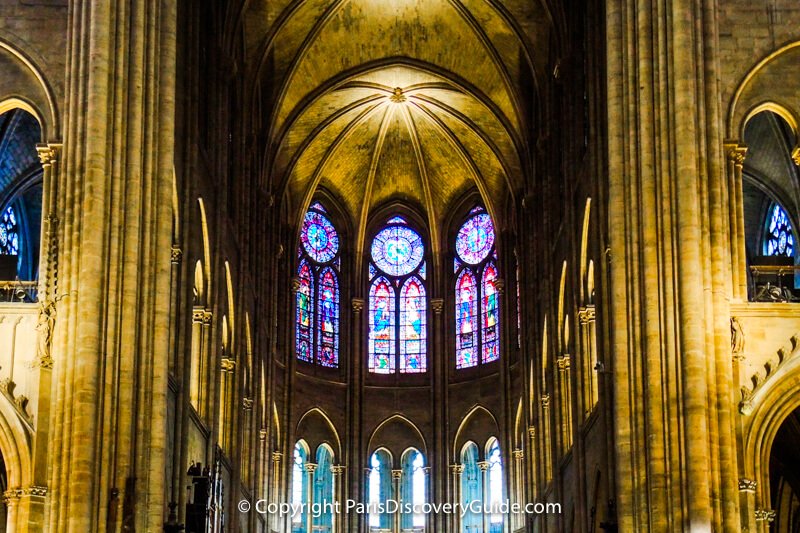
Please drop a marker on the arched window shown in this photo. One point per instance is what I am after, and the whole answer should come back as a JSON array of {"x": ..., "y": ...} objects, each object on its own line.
[
  {"x": 778, "y": 236},
  {"x": 380, "y": 489},
  {"x": 397, "y": 300},
  {"x": 477, "y": 303},
  {"x": 9, "y": 232},
  {"x": 317, "y": 300},
  {"x": 471, "y": 488},
  {"x": 299, "y": 486},
  {"x": 412, "y": 490},
  {"x": 495, "y": 473},
  {"x": 323, "y": 490}
]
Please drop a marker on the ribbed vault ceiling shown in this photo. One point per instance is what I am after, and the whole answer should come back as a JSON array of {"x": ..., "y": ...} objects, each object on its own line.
[{"x": 414, "y": 100}]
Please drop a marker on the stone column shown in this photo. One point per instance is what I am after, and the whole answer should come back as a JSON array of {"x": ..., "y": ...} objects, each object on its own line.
[
  {"x": 275, "y": 498},
  {"x": 115, "y": 194},
  {"x": 485, "y": 494},
  {"x": 397, "y": 477},
  {"x": 518, "y": 520},
  {"x": 310, "y": 468},
  {"x": 586, "y": 319},
  {"x": 533, "y": 481},
  {"x": 339, "y": 497},
  {"x": 456, "y": 470},
  {"x": 735, "y": 155}
]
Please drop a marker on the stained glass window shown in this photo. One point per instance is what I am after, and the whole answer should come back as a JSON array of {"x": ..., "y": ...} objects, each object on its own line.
[
  {"x": 382, "y": 327},
  {"x": 305, "y": 312},
  {"x": 299, "y": 484},
  {"x": 477, "y": 303},
  {"x": 397, "y": 250},
  {"x": 328, "y": 314},
  {"x": 379, "y": 490},
  {"x": 317, "y": 302},
  {"x": 9, "y": 232},
  {"x": 466, "y": 320},
  {"x": 778, "y": 238},
  {"x": 397, "y": 301},
  {"x": 471, "y": 488},
  {"x": 323, "y": 490}
]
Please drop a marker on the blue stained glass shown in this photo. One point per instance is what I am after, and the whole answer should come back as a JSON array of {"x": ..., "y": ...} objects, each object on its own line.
[
  {"x": 491, "y": 319},
  {"x": 412, "y": 327},
  {"x": 779, "y": 239},
  {"x": 475, "y": 239},
  {"x": 328, "y": 313},
  {"x": 382, "y": 327},
  {"x": 9, "y": 232},
  {"x": 423, "y": 271},
  {"x": 396, "y": 220},
  {"x": 304, "y": 318},
  {"x": 397, "y": 250},
  {"x": 319, "y": 237},
  {"x": 456, "y": 265},
  {"x": 466, "y": 320}
]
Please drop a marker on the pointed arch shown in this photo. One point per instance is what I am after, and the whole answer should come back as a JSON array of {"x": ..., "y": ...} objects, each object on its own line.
[
  {"x": 381, "y": 326},
  {"x": 317, "y": 429},
  {"x": 479, "y": 424}
]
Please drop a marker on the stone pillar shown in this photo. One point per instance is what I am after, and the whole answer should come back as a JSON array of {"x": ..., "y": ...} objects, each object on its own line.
[
  {"x": 547, "y": 440},
  {"x": 456, "y": 470},
  {"x": 485, "y": 494},
  {"x": 115, "y": 194},
  {"x": 397, "y": 477},
  {"x": 310, "y": 468},
  {"x": 277, "y": 457},
  {"x": 518, "y": 519},
  {"x": 735, "y": 154},
  {"x": 586, "y": 319},
  {"x": 533, "y": 481},
  {"x": 339, "y": 497}
]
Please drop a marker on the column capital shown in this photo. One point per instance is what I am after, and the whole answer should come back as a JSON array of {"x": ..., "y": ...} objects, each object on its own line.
[
  {"x": 227, "y": 364},
  {"x": 338, "y": 469},
  {"x": 310, "y": 467},
  {"x": 500, "y": 285},
  {"x": 295, "y": 284},
  {"x": 457, "y": 468},
  {"x": 796, "y": 155},
  {"x": 176, "y": 254},
  {"x": 48, "y": 153},
  {"x": 207, "y": 316},
  {"x": 197, "y": 315},
  {"x": 532, "y": 432},
  {"x": 518, "y": 454},
  {"x": 247, "y": 404},
  {"x": 747, "y": 485},
  {"x": 437, "y": 304},
  {"x": 483, "y": 465},
  {"x": 586, "y": 314},
  {"x": 262, "y": 434},
  {"x": 734, "y": 152},
  {"x": 276, "y": 457},
  {"x": 545, "y": 400},
  {"x": 357, "y": 304},
  {"x": 397, "y": 474},
  {"x": 765, "y": 515}
]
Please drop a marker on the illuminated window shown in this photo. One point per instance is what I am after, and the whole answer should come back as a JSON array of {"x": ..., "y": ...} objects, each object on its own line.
[
  {"x": 9, "y": 232},
  {"x": 412, "y": 488},
  {"x": 397, "y": 301},
  {"x": 477, "y": 303},
  {"x": 778, "y": 236},
  {"x": 317, "y": 300},
  {"x": 379, "y": 489}
]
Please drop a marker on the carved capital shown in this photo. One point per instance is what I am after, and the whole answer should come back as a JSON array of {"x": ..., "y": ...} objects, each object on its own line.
[
  {"x": 247, "y": 404},
  {"x": 276, "y": 457},
  {"x": 35, "y": 490},
  {"x": 176, "y": 255},
  {"x": 48, "y": 153},
  {"x": 227, "y": 364},
  {"x": 796, "y": 155},
  {"x": 735, "y": 152},
  {"x": 338, "y": 470},
  {"x": 532, "y": 432},
  {"x": 207, "y": 316},
  {"x": 262, "y": 434},
  {"x": 586, "y": 315},
  {"x": 310, "y": 467},
  {"x": 747, "y": 485},
  {"x": 483, "y": 465},
  {"x": 545, "y": 400},
  {"x": 397, "y": 474},
  {"x": 457, "y": 469},
  {"x": 765, "y": 515},
  {"x": 295, "y": 284},
  {"x": 518, "y": 454},
  {"x": 437, "y": 304},
  {"x": 197, "y": 315},
  {"x": 357, "y": 304},
  {"x": 563, "y": 362}
]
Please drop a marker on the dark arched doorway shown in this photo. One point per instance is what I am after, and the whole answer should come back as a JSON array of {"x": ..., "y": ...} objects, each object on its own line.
[{"x": 784, "y": 475}]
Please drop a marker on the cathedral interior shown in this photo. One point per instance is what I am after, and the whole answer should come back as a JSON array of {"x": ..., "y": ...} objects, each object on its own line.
[{"x": 272, "y": 265}]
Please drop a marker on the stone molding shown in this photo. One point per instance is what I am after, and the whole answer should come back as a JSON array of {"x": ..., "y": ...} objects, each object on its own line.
[{"x": 759, "y": 378}]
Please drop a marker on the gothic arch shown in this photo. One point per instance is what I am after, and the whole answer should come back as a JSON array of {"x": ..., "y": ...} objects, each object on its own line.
[
  {"x": 478, "y": 425},
  {"x": 15, "y": 439},
  {"x": 396, "y": 434},
  {"x": 316, "y": 428},
  {"x": 770, "y": 403},
  {"x": 759, "y": 89},
  {"x": 24, "y": 86}
]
